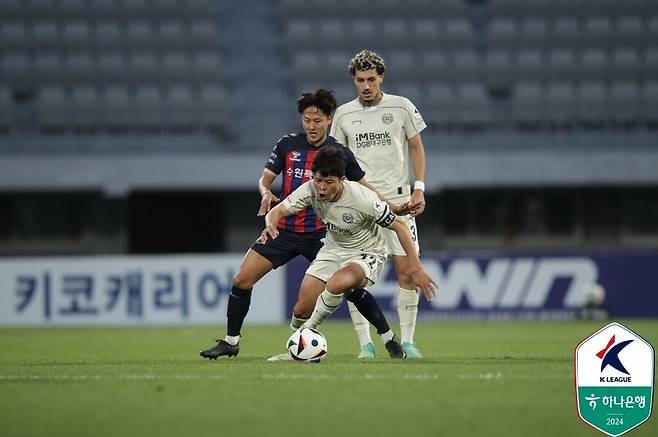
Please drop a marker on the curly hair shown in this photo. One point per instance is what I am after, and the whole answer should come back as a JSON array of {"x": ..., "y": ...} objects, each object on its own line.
[
  {"x": 322, "y": 99},
  {"x": 366, "y": 60}
]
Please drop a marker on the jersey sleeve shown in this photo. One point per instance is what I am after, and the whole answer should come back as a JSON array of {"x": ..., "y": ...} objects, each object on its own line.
[
  {"x": 299, "y": 199},
  {"x": 353, "y": 170},
  {"x": 384, "y": 217},
  {"x": 337, "y": 130},
  {"x": 414, "y": 123},
  {"x": 277, "y": 158}
]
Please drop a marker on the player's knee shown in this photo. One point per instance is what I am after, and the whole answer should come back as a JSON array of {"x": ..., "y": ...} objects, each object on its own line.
[{"x": 243, "y": 281}]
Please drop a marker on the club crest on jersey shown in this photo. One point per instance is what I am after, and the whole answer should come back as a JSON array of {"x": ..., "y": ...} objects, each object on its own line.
[
  {"x": 387, "y": 118},
  {"x": 294, "y": 155},
  {"x": 348, "y": 218}
]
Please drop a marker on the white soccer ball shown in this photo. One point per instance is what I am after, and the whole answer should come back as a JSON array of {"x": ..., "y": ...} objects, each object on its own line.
[
  {"x": 594, "y": 294},
  {"x": 307, "y": 345}
]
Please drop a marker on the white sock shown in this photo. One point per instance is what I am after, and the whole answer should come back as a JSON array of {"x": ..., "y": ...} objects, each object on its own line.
[
  {"x": 361, "y": 325},
  {"x": 296, "y": 323},
  {"x": 232, "y": 339},
  {"x": 387, "y": 336},
  {"x": 325, "y": 306},
  {"x": 407, "y": 312}
]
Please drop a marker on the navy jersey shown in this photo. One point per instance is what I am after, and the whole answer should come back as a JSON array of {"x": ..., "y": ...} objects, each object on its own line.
[{"x": 293, "y": 156}]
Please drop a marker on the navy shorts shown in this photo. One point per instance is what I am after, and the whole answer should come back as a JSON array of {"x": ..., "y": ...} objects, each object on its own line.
[{"x": 288, "y": 245}]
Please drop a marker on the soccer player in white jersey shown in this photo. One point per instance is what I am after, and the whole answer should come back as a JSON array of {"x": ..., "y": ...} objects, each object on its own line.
[
  {"x": 383, "y": 130},
  {"x": 355, "y": 249}
]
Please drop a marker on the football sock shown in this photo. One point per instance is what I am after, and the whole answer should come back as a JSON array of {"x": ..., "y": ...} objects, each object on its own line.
[
  {"x": 238, "y": 306},
  {"x": 326, "y": 304},
  {"x": 367, "y": 306},
  {"x": 407, "y": 312},
  {"x": 387, "y": 336},
  {"x": 361, "y": 325},
  {"x": 296, "y": 323},
  {"x": 232, "y": 340}
]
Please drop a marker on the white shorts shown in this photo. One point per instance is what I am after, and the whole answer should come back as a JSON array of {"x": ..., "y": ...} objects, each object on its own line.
[
  {"x": 330, "y": 259},
  {"x": 393, "y": 246}
]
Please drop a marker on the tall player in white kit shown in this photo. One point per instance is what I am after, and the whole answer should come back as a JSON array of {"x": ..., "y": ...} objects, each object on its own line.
[
  {"x": 355, "y": 250},
  {"x": 383, "y": 132}
]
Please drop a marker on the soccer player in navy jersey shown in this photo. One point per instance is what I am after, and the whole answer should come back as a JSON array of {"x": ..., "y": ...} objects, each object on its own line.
[{"x": 299, "y": 234}]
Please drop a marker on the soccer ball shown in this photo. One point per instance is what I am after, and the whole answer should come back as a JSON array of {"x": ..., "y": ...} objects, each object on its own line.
[
  {"x": 307, "y": 345},
  {"x": 594, "y": 295}
]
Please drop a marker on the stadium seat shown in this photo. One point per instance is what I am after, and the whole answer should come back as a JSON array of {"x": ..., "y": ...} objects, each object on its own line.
[
  {"x": 206, "y": 67},
  {"x": 79, "y": 68},
  {"x": 363, "y": 32},
  {"x": 299, "y": 33},
  {"x": 412, "y": 91},
  {"x": 85, "y": 107},
  {"x": 533, "y": 33},
  {"x": 172, "y": 36},
  {"x": 16, "y": 69},
  {"x": 473, "y": 104},
  {"x": 560, "y": 103},
  {"x": 395, "y": 34},
  {"x": 204, "y": 35},
  {"x": 138, "y": 9},
  {"x": 634, "y": 7},
  {"x": 180, "y": 108},
  {"x": 626, "y": 65},
  {"x": 502, "y": 34},
  {"x": 45, "y": 36},
  {"x": 150, "y": 107},
  {"x": 650, "y": 102},
  {"x": 597, "y": 32},
  {"x": 401, "y": 65},
  {"x": 629, "y": 32},
  {"x": 528, "y": 104},
  {"x": 75, "y": 10},
  {"x": 625, "y": 102},
  {"x": 592, "y": 103},
  {"x": 537, "y": 8},
  {"x": 13, "y": 36},
  {"x": 441, "y": 103},
  {"x": 118, "y": 108},
  {"x": 175, "y": 67},
  {"x": 498, "y": 69},
  {"x": 594, "y": 65},
  {"x": 108, "y": 36},
  {"x": 650, "y": 69},
  {"x": 331, "y": 33},
  {"x": 76, "y": 36},
  {"x": 112, "y": 68},
  {"x": 43, "y": 10},
  {"x": 106, "y": 9},
  {"x": 212, "y": 107},
  {"x": 530, "y": 66},
  {"x": 651, "y": 32},
  {"x": 466, "y": 66},
  {"x": 565, "y": 33},
  {"x": 140, "y": 35},
  {"x": 561, "y": 65},
  {"x": 426, "y": 32},
  {"x": 53, "y": 108},
  {"x": 458, "y": 35},
  {"x": 6, "y": 109},
  {"x": 15, "y": 9},
  {"x": 144, "y": 68},
  {"x": 48, "y": 69},
  {"x": 434, "y": 66}
]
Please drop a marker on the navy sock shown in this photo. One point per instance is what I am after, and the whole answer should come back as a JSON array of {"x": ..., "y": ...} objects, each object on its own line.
[
  {"x": 367, "y": 305},
  {"x": 238, "y": 307}
]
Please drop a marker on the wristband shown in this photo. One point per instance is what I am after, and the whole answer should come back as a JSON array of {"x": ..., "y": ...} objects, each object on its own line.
[{"x": 419, "y": 185}]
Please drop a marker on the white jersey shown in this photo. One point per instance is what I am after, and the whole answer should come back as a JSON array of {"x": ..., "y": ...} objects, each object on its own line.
[
  {"x": 353, "y": 221},
  {"x": 378, "y": 137}
]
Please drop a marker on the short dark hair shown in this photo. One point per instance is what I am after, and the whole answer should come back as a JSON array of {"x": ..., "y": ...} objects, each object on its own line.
[
  {"x": 321, "y": 98},
  {"x": 366, "y": 60},
  {"x": 330, "y": 161}
]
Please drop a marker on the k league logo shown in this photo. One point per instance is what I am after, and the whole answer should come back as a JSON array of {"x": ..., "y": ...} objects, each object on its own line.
[{"x": 614, "y": 378}]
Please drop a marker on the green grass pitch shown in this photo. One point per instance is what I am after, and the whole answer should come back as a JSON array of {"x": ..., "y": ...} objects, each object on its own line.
[{"x": 477, "y": 379}]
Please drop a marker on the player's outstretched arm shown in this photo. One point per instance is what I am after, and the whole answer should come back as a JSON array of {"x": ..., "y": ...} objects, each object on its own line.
[
  {"x": 420, "y": 278},
  {"x": 417, "y": 151},
  {"x": 265, "y": 190},
  {"x": 271, "y": 220}
]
